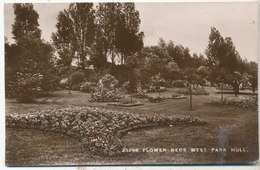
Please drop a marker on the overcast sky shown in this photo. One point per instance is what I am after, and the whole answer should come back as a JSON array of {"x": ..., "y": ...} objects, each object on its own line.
[{"x": 187, "y": 24}]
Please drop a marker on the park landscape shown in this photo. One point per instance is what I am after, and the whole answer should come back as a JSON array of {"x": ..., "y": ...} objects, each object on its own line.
[{"x": 96, "y": 92}]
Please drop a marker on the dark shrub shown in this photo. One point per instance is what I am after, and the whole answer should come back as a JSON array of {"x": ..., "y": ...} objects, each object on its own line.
[
  {"x": 76, "y": 77},
  {"x": 180, "y": 83},
  {"x": 88, "y": 87},
  {"x": 26, "y": 86}
]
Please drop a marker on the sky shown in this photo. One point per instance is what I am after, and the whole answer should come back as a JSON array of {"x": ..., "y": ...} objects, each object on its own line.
[{"x": 187, "y": 24}]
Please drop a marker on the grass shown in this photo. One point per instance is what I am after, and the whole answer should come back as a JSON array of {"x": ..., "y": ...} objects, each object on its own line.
[{"x": 227, "y": 127}]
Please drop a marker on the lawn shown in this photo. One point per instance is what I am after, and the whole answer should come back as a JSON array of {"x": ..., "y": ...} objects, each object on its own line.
[{"x": 227, "y": 127}]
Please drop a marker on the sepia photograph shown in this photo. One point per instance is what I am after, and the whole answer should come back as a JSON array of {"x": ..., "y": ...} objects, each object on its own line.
[{"x": 131, "y": 83}]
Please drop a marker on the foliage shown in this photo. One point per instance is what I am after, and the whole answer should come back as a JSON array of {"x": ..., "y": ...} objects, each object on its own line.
[
  {"x": 26, "y": 22},
  {"x": 26, "y": 86},
  {"x": 118, "y": 28},
  {"x": 180, "y": 83},
  {"x": 128, "y": 39},
  {"x": 75, "y": 34},
  {"x": 153, "y": 89},
  {"x": 106, "y": 90},
  {"x": 223, "y": 59},
  {"x": 29, "y": 56},
  {"x": 250, "y": 103},
  {"x": 178, "y": 96},
  {"x": 76, "y": 78},
  {"x": 195, "y": 91},
  {"x": 88, "y": 87},
  {"x": 141, "y": 94},
  {"x": 126, "y": 87},
  {"x": 156, "y": 99}
]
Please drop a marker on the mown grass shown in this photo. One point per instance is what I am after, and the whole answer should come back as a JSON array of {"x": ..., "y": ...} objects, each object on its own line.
[{"x": 34, "y": 148}]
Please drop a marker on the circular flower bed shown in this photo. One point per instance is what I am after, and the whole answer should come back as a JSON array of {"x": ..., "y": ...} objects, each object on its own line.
[{"x": 99, "y": 130}]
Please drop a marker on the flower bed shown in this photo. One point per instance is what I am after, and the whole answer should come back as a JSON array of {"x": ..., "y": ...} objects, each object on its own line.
[
  {"x": 250, "y": 103},
  {"x": 141, "y": 94},
  {"x": 156, "y": 99},
  {"x": 153, "y": 89},
  {"x": 195, "y": 91},
  {"x": 178, "y": 96},
  {"x": 126, "y": 102},
  {"x": 99, "y": 130}
]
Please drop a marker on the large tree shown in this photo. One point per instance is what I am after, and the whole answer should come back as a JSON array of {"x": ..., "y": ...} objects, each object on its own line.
[
  {"x": 26, "y": 22},
  {"x": 223, "y": 59},
  {"x": 29, "y": 59},
  {"x": 128, "y": 39},
  {"x": 107, "y": 16},
  {"x": 118, "y": 25},
  {"x": 75, "y": 34}
]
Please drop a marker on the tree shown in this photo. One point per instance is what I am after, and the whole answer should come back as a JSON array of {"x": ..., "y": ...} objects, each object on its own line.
[
  {"x": 107, "y": 16},
  {"x": 26, "y": 22},
  {"x": 118, "y": 25},
  {"x": 75, "y": 34},
  {"x": 180, "y": 55},
  {"x": 128, "y": 39},
  {"x": 29, "y": 60},
  {"x": 223, "y": 59}
]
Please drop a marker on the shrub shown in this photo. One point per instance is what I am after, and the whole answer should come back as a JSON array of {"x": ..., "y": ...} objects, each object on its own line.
[
  {"x": 88, "y": 87},
  {"x": 108, "y": 82},
  {"x": 141, "y": 94},
  {"x": 106, "y": 90},
  {"x": 76, "y": 77},
  {"x": 126, "y": 87},
  {"x": 26, "y": 86},
  {"x": 180, "y": 83}
]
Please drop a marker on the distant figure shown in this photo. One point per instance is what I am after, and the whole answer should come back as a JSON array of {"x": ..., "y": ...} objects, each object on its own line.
[{"x": 254, "y": 84}]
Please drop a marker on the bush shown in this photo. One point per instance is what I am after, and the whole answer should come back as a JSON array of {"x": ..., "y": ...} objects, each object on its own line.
[
  {"x": 141, "y": 94},
  {"x": 76, "y": 78},
  {"x": 26, "y": 86},
  {"x": 126, "y": 87},
  {"x": 106, "y": 90},
  {"x": 180, "y": 83},
  {"x": 88, "y": 87}
]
